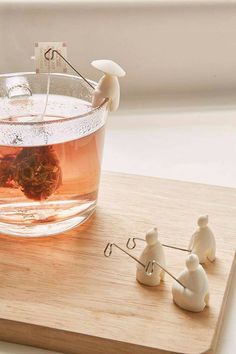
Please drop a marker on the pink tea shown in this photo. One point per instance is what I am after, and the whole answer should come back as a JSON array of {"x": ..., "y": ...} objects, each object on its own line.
[{"x": 75, "y": 191}]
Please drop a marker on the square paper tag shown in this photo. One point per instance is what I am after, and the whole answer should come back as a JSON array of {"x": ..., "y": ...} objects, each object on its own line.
[{"x": 57, "y": 64}]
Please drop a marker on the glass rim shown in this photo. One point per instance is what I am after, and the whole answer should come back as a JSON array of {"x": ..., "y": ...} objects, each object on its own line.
[{"x": 87, "y": 114}]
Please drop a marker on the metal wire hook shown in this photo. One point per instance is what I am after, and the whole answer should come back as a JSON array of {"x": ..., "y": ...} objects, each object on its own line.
[
  {"x": 109, "y": 249},
  {"x": 155, "y": 263},
  {"x": 47, "y": 52},
  {"x": 133, "y": 239},
  {"x": 53, "y": 51},
  {"x": 134, "y": 242}
]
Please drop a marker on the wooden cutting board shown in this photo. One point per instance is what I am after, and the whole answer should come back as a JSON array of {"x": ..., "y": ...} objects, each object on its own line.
[{"x": 62, "y": 294}]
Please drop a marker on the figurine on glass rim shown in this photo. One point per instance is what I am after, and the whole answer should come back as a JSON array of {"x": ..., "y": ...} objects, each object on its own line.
[{"x": 108, "y": 86}]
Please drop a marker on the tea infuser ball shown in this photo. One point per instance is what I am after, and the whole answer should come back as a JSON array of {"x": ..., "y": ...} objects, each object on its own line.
[
  {"x": 108, "y": 86},
  {"x": 195, "y": 296}
]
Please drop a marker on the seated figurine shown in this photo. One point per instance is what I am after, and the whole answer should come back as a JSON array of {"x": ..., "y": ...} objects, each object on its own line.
[
  {"x": 202, "y": 242},
  {"x": 152, "y": 252},
  {"x": 195, "y": 295}
]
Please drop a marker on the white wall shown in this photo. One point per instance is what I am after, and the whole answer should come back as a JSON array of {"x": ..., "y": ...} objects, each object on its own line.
[{"x": 166, "y": 47}]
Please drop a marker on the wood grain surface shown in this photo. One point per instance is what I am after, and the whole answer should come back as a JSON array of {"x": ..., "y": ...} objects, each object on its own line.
[{"x": 62, "y": 294}]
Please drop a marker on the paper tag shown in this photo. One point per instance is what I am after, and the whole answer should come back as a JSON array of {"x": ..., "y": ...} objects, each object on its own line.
[{"x": 57, "y": 64}]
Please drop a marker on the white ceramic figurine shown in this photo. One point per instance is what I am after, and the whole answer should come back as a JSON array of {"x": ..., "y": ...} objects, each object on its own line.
[
  {"x": 202, "y": 242},
  {"x": 153, "y": 251},
  {"x": 108, "y": 86},
  {"x": 196, "y": 294}
]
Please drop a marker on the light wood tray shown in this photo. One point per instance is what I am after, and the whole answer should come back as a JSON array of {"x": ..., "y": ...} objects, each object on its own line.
[{"x": 62, "y": 294}]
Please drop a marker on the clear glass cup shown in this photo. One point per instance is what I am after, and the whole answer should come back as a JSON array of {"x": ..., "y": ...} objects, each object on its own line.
[{"x": 49, "y": 163}]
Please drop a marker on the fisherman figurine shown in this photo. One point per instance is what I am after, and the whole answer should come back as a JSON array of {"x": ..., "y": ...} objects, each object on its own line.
[
  {"x": 202, "y": 242},
  {"x": 195, "y": 295},
  {"x": 108, "y": 86},
  {"x": 152, "y": 252}
]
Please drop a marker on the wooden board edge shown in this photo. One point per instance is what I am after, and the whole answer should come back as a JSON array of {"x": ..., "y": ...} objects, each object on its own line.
[
  {"x": 66, "y": 342},
  {"x": 222, "y": 310}
]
